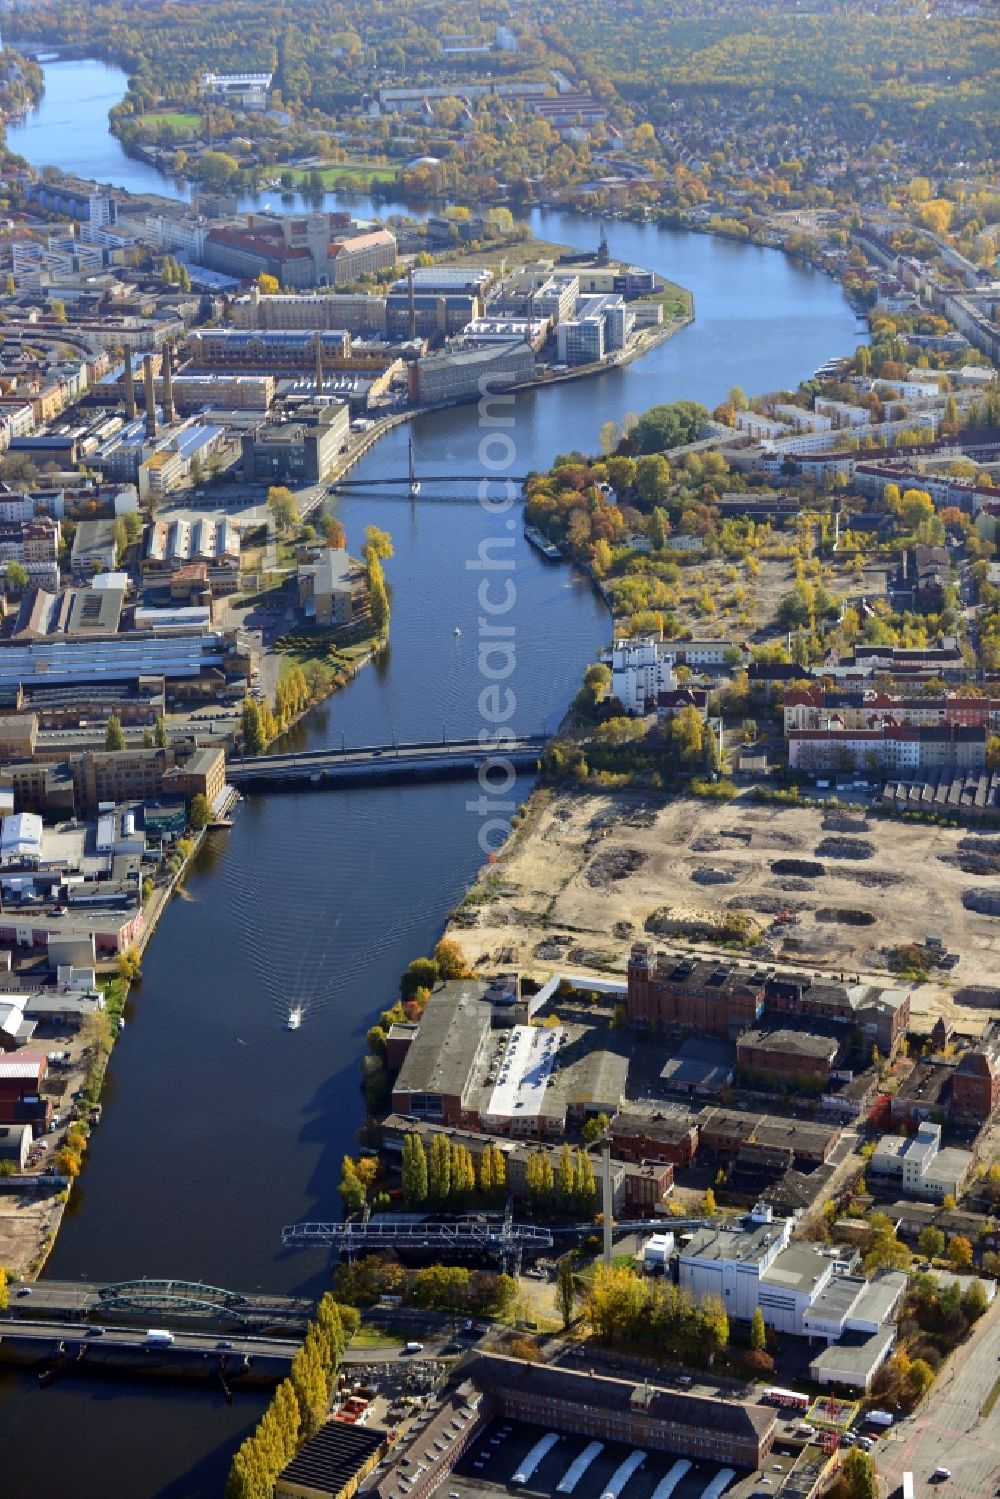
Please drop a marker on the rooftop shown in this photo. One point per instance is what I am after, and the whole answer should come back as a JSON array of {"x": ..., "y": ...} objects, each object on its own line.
[
  {"x": 333, "y": 1457},
  {"x": 447, "y": 1043}
]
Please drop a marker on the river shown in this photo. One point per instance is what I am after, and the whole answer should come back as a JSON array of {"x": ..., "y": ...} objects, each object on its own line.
[{"x": 219, "y": 1126}]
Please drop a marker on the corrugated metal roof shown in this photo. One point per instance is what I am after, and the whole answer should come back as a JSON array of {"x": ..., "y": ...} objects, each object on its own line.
[{"x": 15, "y": 1067}]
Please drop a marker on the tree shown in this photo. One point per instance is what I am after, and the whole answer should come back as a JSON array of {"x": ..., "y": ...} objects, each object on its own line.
[
  {"x": 309, "y": 1384},
  {"x": 4, "y": 1290},
  {"x": 916, "y": 508},
  {"x": 451, "y": 960},
  {"x": 378, "y": 543},
  {"x": 960, "y": 1252},
  {"x": 58, "y": 310},
  {"x": 974, "y": 1302},
  {"x": 114, "y": 734},
  {"x": 217, "y": 167},
  {"x": 565, "y": 1288},
  {"x": 352, "y": 1191},
  {"x": 918, "y": 1378},
  {"x": 268, "y": 286},
  {"x": 281, "y": 503},
  {"x": 160, "y": 733},
  {"x": 859, "y": 1475},
  {"x": 708, "y": 1204},
  {"x": 334, "y": 534},
  {"x": 378, "y": 597},
  {"x": 439, "y": 1170},
  {"x": 931, "y": 1242},
  {"x": 595, "y": 1129},
  {"x": 252, "y": 727},
  {"x": 200, "y": 812},
  {"x": 883, "y": 1251},
  {"x": 758, "y": 1331},
  {"x": 414, "y": 1171}
]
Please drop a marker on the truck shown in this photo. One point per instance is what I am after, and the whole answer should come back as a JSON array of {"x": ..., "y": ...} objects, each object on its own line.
[
  {"x": 159, "y": 1337},
  {"x": 879, "y": 1418}
]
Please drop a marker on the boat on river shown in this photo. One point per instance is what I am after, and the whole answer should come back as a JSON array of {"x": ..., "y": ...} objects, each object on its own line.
[
  {"x": 541, "y": 543},
  {"x": 294, "y": 1019}
]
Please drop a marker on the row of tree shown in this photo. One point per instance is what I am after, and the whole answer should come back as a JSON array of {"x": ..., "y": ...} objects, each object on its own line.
[{"x": 299, "y": 1405}]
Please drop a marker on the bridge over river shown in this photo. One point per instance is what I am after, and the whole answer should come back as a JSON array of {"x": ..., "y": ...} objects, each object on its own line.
[{"x": 377, "y": 763}]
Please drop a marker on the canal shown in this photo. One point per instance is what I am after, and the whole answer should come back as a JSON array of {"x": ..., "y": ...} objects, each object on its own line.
[{"x": 219, "y": 1126}]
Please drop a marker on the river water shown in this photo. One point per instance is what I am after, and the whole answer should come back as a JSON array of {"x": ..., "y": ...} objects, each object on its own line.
[{"x": 219, "y": 1126}]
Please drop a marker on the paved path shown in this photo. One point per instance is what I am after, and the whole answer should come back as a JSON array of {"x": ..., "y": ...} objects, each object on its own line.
[{"x": 948, "y": 1430}]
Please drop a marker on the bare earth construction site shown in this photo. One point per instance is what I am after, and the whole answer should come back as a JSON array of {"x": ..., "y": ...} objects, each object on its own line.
[{"x": 829, "y": 889}]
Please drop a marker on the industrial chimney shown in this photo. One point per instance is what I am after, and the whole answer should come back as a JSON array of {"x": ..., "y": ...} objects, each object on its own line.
[
  {"x": 147, "y": 375},
  {"x": 607, "y": 1205},
  {"x": 169, "y": 413},
  {"x": 129, "y": 387},
  {"x": 410, "y": 306},
  {"x": 319, "y": 365}
]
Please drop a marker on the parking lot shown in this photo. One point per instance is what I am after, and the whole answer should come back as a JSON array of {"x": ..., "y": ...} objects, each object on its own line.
[{"x": 490, "y": 1464}]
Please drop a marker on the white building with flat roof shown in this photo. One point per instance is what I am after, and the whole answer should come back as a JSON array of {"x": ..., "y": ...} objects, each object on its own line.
[
  {"x": 517, "y": 1102},
  {"x": 21, "y": 839}
]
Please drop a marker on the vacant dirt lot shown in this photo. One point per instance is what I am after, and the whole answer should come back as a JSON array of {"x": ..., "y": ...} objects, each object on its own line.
[{"x": 588, "y": 874}]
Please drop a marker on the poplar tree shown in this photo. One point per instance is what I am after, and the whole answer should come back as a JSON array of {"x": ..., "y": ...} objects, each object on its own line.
[
  {"x": 439, "y": 1170},
  {"x": 414, "y": 1171},
  {"x": 565, "y": 1178},
  {"x": 585, "y": 1187}
]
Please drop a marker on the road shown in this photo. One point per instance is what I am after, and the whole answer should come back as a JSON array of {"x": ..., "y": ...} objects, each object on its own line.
[
  {"x": 70, "y": 1301},
  {"x": 12, "y": 1330},
  {"x": 948, "y": 1430}
]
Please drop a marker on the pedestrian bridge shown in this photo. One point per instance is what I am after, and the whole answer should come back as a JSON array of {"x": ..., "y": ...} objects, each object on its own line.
[{"x": 373, "y": 764}]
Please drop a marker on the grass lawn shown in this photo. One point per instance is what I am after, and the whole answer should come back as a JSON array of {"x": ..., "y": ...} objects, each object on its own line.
[
  {"x": 357, "y": 167},
  {"x": 373, "y": 1337},
  {"x": 676, "y": 300},
  {"x": 176, "y": 119}
]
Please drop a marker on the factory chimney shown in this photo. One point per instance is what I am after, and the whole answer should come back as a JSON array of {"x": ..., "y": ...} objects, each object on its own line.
[
  {"x": 607, "y": 1205},
  {"x": 129, "y": 387},
  {"x": 319, "y": 364},
  {"x": 169, "y": 412},
  {"x": 147, "y": 375},
  {"x": 411, "y": 325}
]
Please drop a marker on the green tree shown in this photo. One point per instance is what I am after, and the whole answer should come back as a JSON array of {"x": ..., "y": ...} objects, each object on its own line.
[
  {"x": 281, "y": 503},
  {"x": 565, "y": 1178},
  {"x": 565, "y": 1288},
  {"x": 160, "y": 732},
  {"x": 414, "y": 1171},
  {"x": 758, "y": 1331},
  {"x": 859, "y": 1475},
  {"x": 974, "y": 1302},
  {"x": 439, "y": 1170},
  {"x": 352, "y": 1191},
  {"x": 309, "y": 1383},
  {"x": 918, "y": 1378},
  {"x": 16, "y": 575},
  {"x": 200, "y": 812},
  {"x": 931, "y": 1243},
  {"x": 585, "y": 1184},
  {"x": 217, "y": 168},
  {"x": 378, "y": 598},
  {"x": 253, "y": 729},
  {"x": 114, "y": 734},
  {"x": 595, "y": 1129}
]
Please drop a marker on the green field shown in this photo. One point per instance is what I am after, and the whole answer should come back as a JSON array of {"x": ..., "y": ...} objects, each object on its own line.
[
  {"x": 175, "y": 119},
  {"x": 364, "y": 171}
]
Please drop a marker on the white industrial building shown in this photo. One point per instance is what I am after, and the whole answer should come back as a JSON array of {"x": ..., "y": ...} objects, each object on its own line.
[
  {"x": 804, "y": 1289},
  {"x": 640, "y": 671},
  {"x": 921, "y": 1165}
]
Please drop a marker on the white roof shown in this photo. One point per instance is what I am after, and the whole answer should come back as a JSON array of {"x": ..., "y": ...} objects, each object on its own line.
[
  {"x": 526, "y": 1067},
  {"x": 21, "y": 830}
]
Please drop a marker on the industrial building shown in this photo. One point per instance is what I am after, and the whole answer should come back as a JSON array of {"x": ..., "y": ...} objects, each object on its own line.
[
  {"x": 299, "y": 451},
  {"x": 618, "y": 1410},
  {"x": 325, "y": 588},
  {"x": 470, "y": 374}
]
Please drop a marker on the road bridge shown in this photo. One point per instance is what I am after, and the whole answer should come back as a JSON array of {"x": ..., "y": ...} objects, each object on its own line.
[
  {"x": 57, "y": 1347},
  {"x": 161, "y": 1303},
  {"x": 385, "y": 763}
]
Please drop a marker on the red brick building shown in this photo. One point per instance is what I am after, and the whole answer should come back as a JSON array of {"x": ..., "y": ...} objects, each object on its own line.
[
  {"x": 670, "y": 993},
  {"x": 670, "y": 1138},
  {"x": 976, "y": 1083}
]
